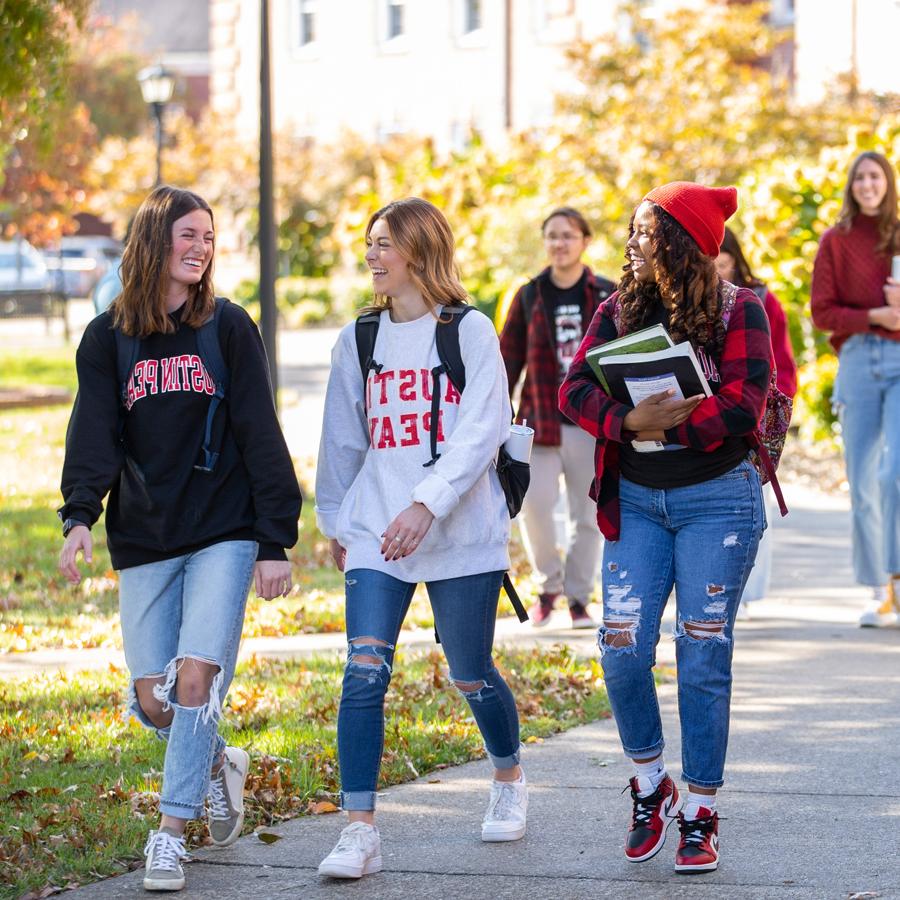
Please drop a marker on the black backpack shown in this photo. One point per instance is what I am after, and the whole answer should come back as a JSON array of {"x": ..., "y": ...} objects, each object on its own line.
[
  {"x": 128, "y": 348},
  {"x": 513, "y": 475}
]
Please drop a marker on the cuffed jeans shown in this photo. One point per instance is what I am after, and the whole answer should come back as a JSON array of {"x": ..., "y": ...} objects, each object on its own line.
[
  {"x": 191, "y": 606},
  {"x": 464, "y": 613},
  {"x": 573, "y": 459},
  {"x": 867, "y": 401},
  {"x": 702, "y": 539}
]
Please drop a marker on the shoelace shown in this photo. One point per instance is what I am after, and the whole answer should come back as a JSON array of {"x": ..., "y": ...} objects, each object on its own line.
[
  {"x": 351, "y": 839},
  {"x": 644, "y": 807},
  {"x": 218, "y": 804},
  {"x": 507, "y": 799},
  {"x": 164, "y": 851},
  {"x": 694, "y": 831}
]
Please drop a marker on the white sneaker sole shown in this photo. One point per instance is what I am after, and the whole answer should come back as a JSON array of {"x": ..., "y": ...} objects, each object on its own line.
[
  {"x": 339, "y": 870},
  {"x": 669, "y": 816},
  {"x": 163, "y": 884},
  {"x": 492, "y": 837},
  {"x": 879, "y": 620}
]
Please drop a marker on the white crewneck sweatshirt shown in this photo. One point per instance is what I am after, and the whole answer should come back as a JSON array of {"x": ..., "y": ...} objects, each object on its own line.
[{"x": 372, "y": 456}]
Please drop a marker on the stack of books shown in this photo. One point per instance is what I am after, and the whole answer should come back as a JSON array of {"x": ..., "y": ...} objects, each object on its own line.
[{"x": 646, "y": 362}]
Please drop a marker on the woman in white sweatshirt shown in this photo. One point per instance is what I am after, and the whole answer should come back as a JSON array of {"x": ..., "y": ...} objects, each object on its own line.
[{"x": 397, "y": 516}]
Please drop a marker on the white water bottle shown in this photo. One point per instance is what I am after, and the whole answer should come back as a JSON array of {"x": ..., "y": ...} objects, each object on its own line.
[{"x": 895, "y": 268}]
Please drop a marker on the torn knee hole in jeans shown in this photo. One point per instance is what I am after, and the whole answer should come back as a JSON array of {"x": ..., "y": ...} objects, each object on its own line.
[
  {"x": 211, "y": 710},
  {"x": 707, "y": 631},
  {"x": 367, "y": 657},
  {"x": 472, "y": 690},
  {"x": 619, "y": 634}
]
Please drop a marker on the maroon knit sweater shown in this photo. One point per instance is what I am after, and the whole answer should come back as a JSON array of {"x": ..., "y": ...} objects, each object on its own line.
[{"x": 848, "y": 280}]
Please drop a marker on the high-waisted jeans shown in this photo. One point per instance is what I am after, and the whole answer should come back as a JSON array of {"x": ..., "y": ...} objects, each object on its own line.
[
  {"x": 464, "y": 612},
  {"x": 867, "y": 400},
  {"x": 191, "y": 606},
  {"x": 702, "y": 540}
]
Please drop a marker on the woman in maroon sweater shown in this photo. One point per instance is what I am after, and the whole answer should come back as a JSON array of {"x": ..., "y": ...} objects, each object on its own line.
[{"x": 854, "y": 297}]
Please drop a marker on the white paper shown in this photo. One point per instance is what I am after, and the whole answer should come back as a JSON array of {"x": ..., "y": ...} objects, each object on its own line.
[{"x": 642, "y": 388}]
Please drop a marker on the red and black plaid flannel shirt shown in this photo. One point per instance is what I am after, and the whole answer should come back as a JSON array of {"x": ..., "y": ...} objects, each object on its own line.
[
  {"x": 744, "y": 369},
  {"x": 529, "y": 343}
]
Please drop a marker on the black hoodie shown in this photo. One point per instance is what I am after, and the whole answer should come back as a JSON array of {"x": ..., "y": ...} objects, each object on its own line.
[{"x": 160, "y": 506}]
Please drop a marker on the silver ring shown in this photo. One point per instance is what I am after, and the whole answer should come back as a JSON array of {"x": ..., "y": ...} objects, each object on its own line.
[{"x": 399, "y": 540}]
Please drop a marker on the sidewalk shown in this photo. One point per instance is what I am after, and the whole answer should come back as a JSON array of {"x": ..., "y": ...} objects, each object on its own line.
[{"x": 811, "y": 808}]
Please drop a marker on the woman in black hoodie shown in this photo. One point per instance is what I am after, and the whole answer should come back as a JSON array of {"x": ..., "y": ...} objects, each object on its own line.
[{"x": 174, "y": 419}]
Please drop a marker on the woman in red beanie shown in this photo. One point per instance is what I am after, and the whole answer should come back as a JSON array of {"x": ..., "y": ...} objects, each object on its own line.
[
  {"x": 688, "y": 515},
  {"x": 856, "y": 299}
]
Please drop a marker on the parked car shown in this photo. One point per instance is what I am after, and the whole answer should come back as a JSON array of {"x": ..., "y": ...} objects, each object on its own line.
[
  {"x": 82, "y": 261},
  {"x": 108, "y": 287},
  {"x": 22, "y": 268}
]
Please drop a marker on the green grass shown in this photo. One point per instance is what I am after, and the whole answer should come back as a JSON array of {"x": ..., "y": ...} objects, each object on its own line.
[
  {"x": 40, "y": 610},
  {"x": 53, "y": 368},
  {"x": 78, "y": 781}
]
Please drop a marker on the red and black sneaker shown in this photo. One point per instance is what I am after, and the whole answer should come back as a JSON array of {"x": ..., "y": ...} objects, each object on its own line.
[
  {"x": 698, "y": 849},
  {"x": 651, "y": 817},
  {"x": 542, "y": 610}
]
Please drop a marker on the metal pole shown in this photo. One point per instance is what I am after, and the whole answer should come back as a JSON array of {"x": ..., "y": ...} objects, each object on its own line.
[
  {"x": 158, "y": 115},
  {"x": 268, "y": 311},
  {"x": 508, "y": 66}
]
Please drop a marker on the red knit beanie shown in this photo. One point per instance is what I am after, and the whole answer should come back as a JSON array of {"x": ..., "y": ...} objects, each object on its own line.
[{"x": 700, "y": 210}]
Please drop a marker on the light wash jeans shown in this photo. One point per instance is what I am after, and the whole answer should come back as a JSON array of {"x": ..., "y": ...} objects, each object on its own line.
[
  {"x": 574, "y": 461},
  {"x": 464, "y": 613},
  {"x": 702, "y": 539},
  {"x": 190, "y": 606},
  {"x": 867, "y": 401}
]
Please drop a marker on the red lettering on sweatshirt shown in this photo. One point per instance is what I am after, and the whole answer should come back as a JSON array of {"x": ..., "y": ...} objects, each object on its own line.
[
  {"x": 426, "y": 424},
  {"x": 410, "y": 435},
  {"x": 381, "y": 380},
  {"x": 172, "y": 373},
  {"x": 452, "y": 394},
  {"x": 387, "y": 434},
  {"x": 169, "y": 374},
  {"x": 407, "y": 384}
]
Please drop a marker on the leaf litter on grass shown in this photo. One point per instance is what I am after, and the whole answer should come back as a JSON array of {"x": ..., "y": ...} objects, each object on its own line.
[{"x": 79, "y": 783}]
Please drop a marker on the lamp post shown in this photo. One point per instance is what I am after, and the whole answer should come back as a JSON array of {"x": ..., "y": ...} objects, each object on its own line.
[{"x": 157, "y": 85}]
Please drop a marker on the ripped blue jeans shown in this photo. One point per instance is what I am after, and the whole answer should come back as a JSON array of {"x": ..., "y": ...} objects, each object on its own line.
[
  {"x": 188, "y": 607},
  {"x": 701, "y": 539},
  {"x": 464, "y": 612}
]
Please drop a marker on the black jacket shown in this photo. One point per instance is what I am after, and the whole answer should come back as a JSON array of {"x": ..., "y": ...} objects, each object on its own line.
[{"x": 159, "y": 505}]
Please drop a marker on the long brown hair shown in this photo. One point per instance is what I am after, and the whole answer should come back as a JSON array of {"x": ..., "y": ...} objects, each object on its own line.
[
  {"x": 141, "y": 307},
  {"x": 887, "y": 210},
  {"x": 685, "y": 278},
  {"x": 423, "y": 238},
  {"x": 743, "y": 276}
]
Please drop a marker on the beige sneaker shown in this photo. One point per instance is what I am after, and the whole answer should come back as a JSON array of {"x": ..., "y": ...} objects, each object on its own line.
[
  {"x": 225, "y": 799},
  {"x": 164, "y": 852}
]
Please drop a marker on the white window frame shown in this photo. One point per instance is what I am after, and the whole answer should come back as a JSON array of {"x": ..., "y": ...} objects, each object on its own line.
[
  {"x": 465, "y": 38},
  {"x": 309, "y": 50},
  {"x": 399, "y": 43}
]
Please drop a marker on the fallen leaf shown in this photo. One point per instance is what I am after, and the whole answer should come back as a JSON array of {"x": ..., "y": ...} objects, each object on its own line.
[
  {"x": 323, "y": 806},
  {"x": 267, "y": 837}
]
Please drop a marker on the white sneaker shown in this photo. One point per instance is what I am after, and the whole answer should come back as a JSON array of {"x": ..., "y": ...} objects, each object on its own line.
[
  {"x": 882, "y": 612},
  {"x": 357, "y": 853},
  {"x": 505, "y": 816},
  {"x": 164, "y": 853},
  {"x": 225, "y": 799}
]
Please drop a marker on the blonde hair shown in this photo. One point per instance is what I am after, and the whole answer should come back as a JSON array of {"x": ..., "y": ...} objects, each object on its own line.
[
  {"x": 141, "y": 307},
  {"x": 422, "y": 236}
]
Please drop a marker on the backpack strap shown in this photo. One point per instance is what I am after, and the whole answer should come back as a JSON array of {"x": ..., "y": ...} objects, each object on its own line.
[
  {"x": 521, "y": 613},
  {"x": 446, "y": 338},
  {"x": 366, "y": 335},
  {"x": 210, "y": 352},
  {"x": 128, "y": 347}
]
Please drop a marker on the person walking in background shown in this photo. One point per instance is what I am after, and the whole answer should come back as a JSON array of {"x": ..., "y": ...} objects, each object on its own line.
[
  {"x": 201, "y": 505},
  {"x": 543, "y": 329},
  {"x": 856, "y": 299},
  {"x": 732, "y": 266},
  {"x": 690, "y": 515},
  {"x": 397, "y": 514}
]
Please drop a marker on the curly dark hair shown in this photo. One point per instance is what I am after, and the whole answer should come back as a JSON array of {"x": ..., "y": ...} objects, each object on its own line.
[{"x": 685, "y": 277}]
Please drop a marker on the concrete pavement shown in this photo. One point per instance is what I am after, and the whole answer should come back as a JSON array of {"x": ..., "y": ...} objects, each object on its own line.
[{"x": 811, "y": 808}]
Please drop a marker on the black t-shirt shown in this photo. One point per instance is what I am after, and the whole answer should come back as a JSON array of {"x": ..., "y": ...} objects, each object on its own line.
[
  {"x": 564, "y": 308},
  {"x": 678, "y": 466}
]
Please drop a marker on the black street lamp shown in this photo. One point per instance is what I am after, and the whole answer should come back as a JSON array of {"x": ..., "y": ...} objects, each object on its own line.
[{"x": 157, "y": 85}]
